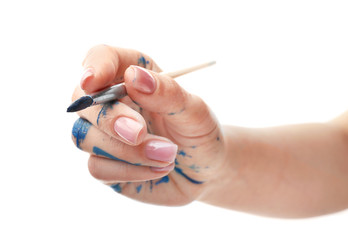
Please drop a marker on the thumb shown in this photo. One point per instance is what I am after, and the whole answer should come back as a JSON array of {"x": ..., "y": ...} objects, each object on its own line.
[
  {"x": 184, "y": 113},
  {"x": 105, "y": 65}
]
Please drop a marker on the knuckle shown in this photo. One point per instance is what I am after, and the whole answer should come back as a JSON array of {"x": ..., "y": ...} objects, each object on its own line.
[
  {"x": 97, "y": 51},
  {"x": 200, "y": 105},
  {"x": 202, "y": 116},
  {"x": 105, "y": 123},
  {"x": 93, "y": 168},
  {"x": 98, "y": 47}
]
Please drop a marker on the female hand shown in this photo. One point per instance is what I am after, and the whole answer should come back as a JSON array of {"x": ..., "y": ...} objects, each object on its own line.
[{"x": 160, "y": 144}]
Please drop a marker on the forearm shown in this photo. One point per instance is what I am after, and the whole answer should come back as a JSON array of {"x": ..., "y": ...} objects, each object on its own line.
[{"x": 290, "y": 171}]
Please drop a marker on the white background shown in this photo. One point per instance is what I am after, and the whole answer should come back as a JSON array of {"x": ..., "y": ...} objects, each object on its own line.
[{"x": 278, "y": 62}]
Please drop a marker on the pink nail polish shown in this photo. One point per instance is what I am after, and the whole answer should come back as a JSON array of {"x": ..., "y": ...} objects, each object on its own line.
[
  {"x": 164, "y": 169},
  {"x": 128, "y": 129},
  {"x": 87, "y": 74},
  {"x": 143, "y": 80},
  {"x": 161, "y": 151}
]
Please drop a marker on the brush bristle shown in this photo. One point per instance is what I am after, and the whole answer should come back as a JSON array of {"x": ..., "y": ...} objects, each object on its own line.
[{"x": 81, "y": 103}]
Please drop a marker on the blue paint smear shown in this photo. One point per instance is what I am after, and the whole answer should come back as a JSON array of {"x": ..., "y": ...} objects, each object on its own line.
[
  {"x": 80, "y": 130},
  {"x": 179, "y": 171},
  {"x": 173, "y": 113},
  {"x": 116, "y": 187},
  {"x": 120, "y": 78},
  {"x": 165, "y": 179},
  {"x": 105, "y": 108},
  {"x": 142, "y": 61},
  {"x": 218, "y": 139},
  {"x": 101, "y": 152},
  {"x": 139, "y": 188},
  {"x": 195, "y": 168},
  {"x": 149, "y": 130},
  {"x": 184, "y": 154},
  {"x": 148, "y": 127},
  {"x": 151, "y": 185},
  {"x": 136, "y": 102}
]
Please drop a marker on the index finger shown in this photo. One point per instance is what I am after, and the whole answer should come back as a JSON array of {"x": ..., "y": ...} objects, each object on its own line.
[{"x": 105, "y": 65}]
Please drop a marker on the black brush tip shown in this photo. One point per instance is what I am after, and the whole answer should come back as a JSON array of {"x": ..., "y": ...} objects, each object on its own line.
[{"x": 81, "y": 103}]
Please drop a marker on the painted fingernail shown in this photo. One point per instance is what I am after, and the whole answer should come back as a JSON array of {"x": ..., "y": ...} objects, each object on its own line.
[
  {"x": 128, "y": 129},
  {"x": 143, "y": 81},
  {"x": 164, "y": 169},
  {"x": 161, "y": 151},
  {"x": 87, "y": 75}
]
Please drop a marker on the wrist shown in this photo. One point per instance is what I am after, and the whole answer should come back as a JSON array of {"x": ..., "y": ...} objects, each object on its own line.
[{"x": 224, "y": 175}]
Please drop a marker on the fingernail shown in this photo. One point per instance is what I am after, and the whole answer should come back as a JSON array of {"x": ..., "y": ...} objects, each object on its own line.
[
  {"x": 161, "y": 151},
  {"x": 164, "y": 169},
  {"x": 87, "y": 75},
  {"x": 128, "y": 129},
  {"x": 143, "y": 81}
]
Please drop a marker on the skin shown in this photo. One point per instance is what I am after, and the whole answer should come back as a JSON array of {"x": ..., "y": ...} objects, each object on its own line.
[{"x": 290, "y": 171}]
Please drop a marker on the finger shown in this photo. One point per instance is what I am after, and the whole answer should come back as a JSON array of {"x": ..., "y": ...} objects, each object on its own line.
[
  {"x": 105, "y": 65},
  {"x": 155, "y": 151},
  {"x": 115, "y": 119},
  {"x": 184, "y": 114},
  {"x": 108, "y": 170}
]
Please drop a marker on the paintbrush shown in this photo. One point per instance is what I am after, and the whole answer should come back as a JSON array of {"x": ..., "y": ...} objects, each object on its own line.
[{"x": 118, "y": 91}]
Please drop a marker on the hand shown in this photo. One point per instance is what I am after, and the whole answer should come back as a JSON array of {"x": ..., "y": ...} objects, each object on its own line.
[{"x": 160, "y": 144}]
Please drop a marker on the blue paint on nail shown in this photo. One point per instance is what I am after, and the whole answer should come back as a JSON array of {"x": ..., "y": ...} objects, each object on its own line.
[
  {"x": 179, "y": 171},
  {"x": 164, "y": 179},
  {"x": 184, "y": 154},
  {"x": 80, "y": 130},
  {"x": 100, "y": 152},
  {"x": 143, "y": 62},
  {"x": 117, "y": 187},
  {"x": 139, "y": 188}
]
